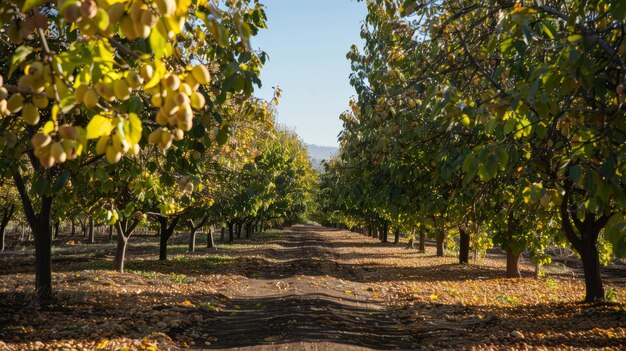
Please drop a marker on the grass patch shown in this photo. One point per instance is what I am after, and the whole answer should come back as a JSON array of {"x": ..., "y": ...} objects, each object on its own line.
[
  {"x": 269, "y": 235},
  {"x": 145, "y": 274},
  {"x": 511, "y": 300},
  {"x": 239, "y": 246}
]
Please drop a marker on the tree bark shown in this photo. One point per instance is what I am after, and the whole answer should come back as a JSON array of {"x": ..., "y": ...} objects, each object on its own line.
[
  {"x": 210, "y": 244},
  {"x": 231, "y": 233},
  {"x": 91, "y": 238},
  {"x": 73, "y": 228},
  {"x": 165, "y": 234},
  {"x": 512, "y": 264},
  {"x": 120, "y": 251},
  {"x": 222, "y": 233},
  {"x": 385, "y": 233},
  {"x": 124, "y": 231},
  {"x": 464, "y": 246},
  {"x": 396, "y": 236},
  {"x": 422, "y": 245},
  {"x": 57, "y": 225},
  {"x": 43, "y": 251},
  {"x": 440, "y": 243},
  {"x": 239, "y": 225},
  {"x": 585, "y": 242},
  {"x": 594, "y": 290},
  {"x": 193, "y": 229},
  {"x": 192, "y": 239},
  {"x": 110, "y": 233},
  {"x": 4, "y": 222}
]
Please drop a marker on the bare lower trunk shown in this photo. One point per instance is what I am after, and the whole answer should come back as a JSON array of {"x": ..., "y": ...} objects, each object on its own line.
[
  {"x": 120, "y": 252},
  {"x": 222, "y": 233},
  {"x": 464, "y": 246},
  {"x": 210, "y": 244},
  {"x": 591, "y": 266},
  {"x": 192, "y": 239},
  {"x": 440, "y": 244},
  {"x": 91, "y": 239},
  {"x": 231, "y": 234},
  {"x": 422, "y": 245},
  {"x": 396, "y": 236},
  {"x": 512, "y": 264},
  {"x": 57, "y": 224}
]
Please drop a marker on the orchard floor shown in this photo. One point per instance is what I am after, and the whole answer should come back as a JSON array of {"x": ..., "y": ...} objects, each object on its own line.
[{"x": 303, "y": 288}]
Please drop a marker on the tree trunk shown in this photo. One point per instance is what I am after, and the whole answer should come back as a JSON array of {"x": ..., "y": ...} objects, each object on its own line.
[
  {"x": 396, "y": 236},
  {"x": 110, "y": 233},
  {"x": 210, "y": 244},
  {"x": 512, "y": 264},
  {"x": 440, "y": 241},
  {"x": 422, "y": 246},
  {"x": 192, "y": 239},
  {"x": 120, "y": 251},
  {"x": 2, "y": 237},
  {"x": 73, "y": 228},
  {"x": 464, "y": 246},
  {"x": 249, "y": 230},
  {"x": 385, "y": 233},
  {"x": 91, "y": 238},
  {"x": 410, "y": 245},
  {"x": 222, "y": 233},
  {"x": 57, "y": 225},
  {"x": 231, "y": 233},
  {"x": 594, "y": 290},
  {"x": 585, "y": 242},
  {"x": 165, "y": 234},
  {"x": 239, "y": 226},
  {"x": 43, "y": 251},
  {"x": 4, "y": 222}
]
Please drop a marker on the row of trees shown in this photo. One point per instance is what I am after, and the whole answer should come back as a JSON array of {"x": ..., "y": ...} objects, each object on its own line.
[
  {"x": 500, "y": 121},
  {"x": 131, "y": 110}
]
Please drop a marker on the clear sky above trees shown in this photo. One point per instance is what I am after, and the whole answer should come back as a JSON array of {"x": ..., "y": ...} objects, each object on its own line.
[{"x": 307, "y": 42}]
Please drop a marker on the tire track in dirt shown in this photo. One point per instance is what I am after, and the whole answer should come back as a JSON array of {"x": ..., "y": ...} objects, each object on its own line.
[{"x": 303, "y": 299}]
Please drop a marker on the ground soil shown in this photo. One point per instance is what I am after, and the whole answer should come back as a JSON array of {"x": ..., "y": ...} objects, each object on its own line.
[{"x": 303, "y": 288}]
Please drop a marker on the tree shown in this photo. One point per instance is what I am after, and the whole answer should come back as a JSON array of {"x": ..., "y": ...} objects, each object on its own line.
[{"x": 87, "y": 70}]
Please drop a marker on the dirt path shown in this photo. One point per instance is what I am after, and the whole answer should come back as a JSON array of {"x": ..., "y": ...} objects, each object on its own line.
[
  {"x": 302, "y": 288},
  {"x": 305, "y": 299}
]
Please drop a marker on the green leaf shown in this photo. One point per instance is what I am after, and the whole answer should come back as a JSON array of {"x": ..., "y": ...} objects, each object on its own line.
[
  {"x": 30, "y": 4},
  {"x": 40, "y": 186},
  {"x": 61, "y": 181},
  {"x": 509, "y": 126},
  {"x": 98, "y": 126},
  {"x": 574, "y": 38},
  {"x": 619, "y": 10},
  {"x": 222, "y": 136},
  {"x": 503, "y": 157},
  {"x": 135, "y": 128},
  {"x": 575, "y": 172},
  {"x": 18, "y": 57}
]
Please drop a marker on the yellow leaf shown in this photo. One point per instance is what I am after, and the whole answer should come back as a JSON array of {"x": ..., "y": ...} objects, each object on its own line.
[
  {"x": 98, "y": 126},
  {"x": 48, "y": 127},
  {"x": 102, "y": 344},
  {"x": 433, "y": 297}
]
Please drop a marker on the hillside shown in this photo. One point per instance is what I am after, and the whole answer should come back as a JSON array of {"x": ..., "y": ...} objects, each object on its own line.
[{"x": 318, "y": 153}]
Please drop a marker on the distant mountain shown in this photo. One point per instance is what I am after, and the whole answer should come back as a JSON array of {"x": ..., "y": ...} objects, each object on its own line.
[{"x": 318, "y": 153}]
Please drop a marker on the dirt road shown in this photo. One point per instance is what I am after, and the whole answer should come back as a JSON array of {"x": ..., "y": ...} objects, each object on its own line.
[{"x": 306, "y": 299}]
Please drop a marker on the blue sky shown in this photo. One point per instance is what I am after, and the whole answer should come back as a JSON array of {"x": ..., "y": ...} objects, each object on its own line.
[{"x": 307, "y": 42}]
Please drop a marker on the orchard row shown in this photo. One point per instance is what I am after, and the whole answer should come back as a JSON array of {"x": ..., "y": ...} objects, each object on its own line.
[
  {"x": 136, "y": 111},
  {"x": 500, "y": 122}
]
